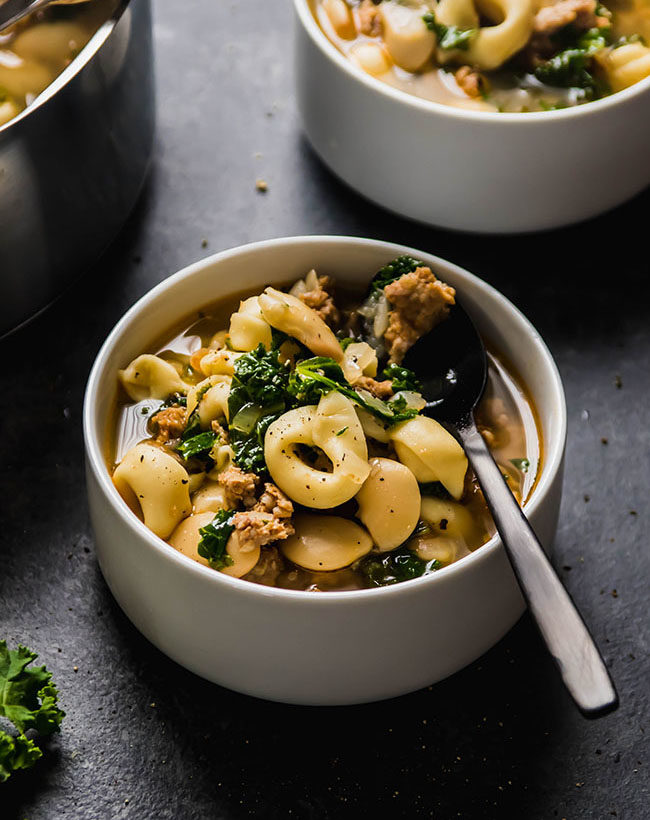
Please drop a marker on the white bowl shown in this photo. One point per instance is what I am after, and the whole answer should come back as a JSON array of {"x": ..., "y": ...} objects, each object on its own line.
[
  {"x": 468, "y": 170},
  {"x": 305, "y": 647}
]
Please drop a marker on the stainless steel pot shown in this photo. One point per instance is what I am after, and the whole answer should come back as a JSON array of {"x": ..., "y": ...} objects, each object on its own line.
[{"x": 72, "y": 164}]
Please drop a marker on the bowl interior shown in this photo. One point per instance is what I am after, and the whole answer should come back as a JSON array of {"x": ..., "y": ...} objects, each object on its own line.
[{"x": 352, "y": 261}]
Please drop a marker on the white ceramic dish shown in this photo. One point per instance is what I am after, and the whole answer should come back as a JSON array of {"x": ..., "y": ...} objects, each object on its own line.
[
  {"x": 468, "y": 170},
  {"x": 304, "y": 647}
]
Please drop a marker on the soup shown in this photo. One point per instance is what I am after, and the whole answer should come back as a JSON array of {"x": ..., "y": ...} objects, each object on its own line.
[
  {"x": 278, "y": 438},
  {"x": 495, "y": 55},
  {"x": 34, "y": 51}
]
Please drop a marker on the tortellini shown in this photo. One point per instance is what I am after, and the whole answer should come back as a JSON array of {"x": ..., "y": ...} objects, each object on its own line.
[
  {"x": 332, "y": 426},
  {"x": 325, "y": 542},
  {"x": 150, "y": 377},
  {"x": 389, "y": 503},
  {"x": 219, "y": 362},
  {"x": 244, "y": 556},
  {"x": 493, "y": 44},
  {"x": 186, "y": 537},
  {"x": 151, "y": 478},
  {"x": 210, "y": 498},
  {"x": 340, "y": 16},
  {"x": 431, "y": 453},
  {"x": 288, "y": 314},
  {"x": 455, "y": 531},
  {"x": 406, "y": 36},
  {"x": 248, "y": 328},
  {"x": 626, "y": 65},
  {"x": 211, "y": 397}
]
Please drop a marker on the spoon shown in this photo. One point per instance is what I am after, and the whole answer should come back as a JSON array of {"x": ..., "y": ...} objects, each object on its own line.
[
  {"x": 451, "y": 363},
  {"x": 11, "y": 11}
]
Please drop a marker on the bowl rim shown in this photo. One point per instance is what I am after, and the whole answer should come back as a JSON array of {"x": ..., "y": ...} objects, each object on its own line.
[
  {"x": 75, "y": 66},
  {"x": 320, "y": 39},
  {"x": 554, "y": 450}
]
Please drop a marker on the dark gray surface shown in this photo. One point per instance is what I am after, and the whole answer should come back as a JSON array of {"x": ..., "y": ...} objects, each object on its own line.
[{"x": 145, "y": 739}]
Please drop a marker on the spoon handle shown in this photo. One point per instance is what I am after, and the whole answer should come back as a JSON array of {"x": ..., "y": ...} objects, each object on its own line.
[{"x": 562, "y": 628}]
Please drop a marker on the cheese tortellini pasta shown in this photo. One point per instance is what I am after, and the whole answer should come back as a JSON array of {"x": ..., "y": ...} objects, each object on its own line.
[
  {"x": 494, "y": 55},
  {"x": 286, "y": 444},
  {"x": 154, "y": 482}
]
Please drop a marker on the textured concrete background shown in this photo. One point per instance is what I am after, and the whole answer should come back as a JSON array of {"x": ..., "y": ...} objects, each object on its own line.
[{"x": 145, "y": 739}]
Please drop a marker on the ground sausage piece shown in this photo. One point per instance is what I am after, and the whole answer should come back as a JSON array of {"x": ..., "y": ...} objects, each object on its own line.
[
  {"x": 418, "y": 303},
  {"x": 259, "y": 528},
  {"x": 169, "y": 423},
  {"x": 382, "y": 390},
  {"x": 579, "y": 14},
  {"x": 471, "y": 81},
  {"x": 274, "y": 501},
  {"x": 240, "y": 487},
  {"x": 369, "y": 19},
  {"x": 221, "y": 432},
  {"x": 321, "y": 300}
]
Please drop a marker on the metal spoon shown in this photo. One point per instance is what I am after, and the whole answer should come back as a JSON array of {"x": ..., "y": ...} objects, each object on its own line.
[
  {"x": 451, "y": 363},
  {"x": 11, "y": 11}
]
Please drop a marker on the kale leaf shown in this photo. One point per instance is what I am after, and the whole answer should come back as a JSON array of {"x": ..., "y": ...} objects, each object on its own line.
[
  {"x": 572, "y": 67},
  {"x": 314, "y": 377},
  {"x": 28, "y": 699},
  {"x": 393, "y": 567},
  {"x": 450, "y": 37},
  {"x": 259, "y": 391},
  {"x": 402, "y": 378},
  {"x": 394, "y": 270},
  {"x": 214, "y": 537},
  {"x": 198, "y": 446}
]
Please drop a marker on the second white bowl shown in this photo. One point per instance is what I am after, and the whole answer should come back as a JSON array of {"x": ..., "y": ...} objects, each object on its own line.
[{"x": 468, "y": 170}]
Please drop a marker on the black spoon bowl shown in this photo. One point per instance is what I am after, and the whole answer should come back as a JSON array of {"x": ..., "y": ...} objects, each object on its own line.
[{"x": 451, "y": 363}]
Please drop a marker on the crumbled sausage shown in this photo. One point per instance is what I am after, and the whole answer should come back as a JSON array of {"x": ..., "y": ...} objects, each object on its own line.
[
  {"x": 471, "y": 81},
  {"x": 369, "y": 18},
  {"x": 240, "y": 487},
  {"x": 220, "y": 431},
  {"x": 321, "y": 300},
  {"x": 274, "y": 501},
  {"x": 257, "y": 528},
  {"x": 418, "y": 302},
  {"x": 382, "y": 390},
  {"x": 581, "y": 15},
  {"x": 169, "y": 423}
]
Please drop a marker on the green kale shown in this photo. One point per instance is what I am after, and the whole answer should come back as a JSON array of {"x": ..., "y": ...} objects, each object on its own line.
[
  {"x": 214, "y": 537},
  {"x": 394, "y": 270},
  {"x": 572, "y": 67},
  {"x": 314, "y": 377},
  {"x": 346, "y": 342},
  {"x": 258, "y": 394},
  {"x": 522, "y": 464},
  {"x": 402, "y": 378},
  {"x": 384, "y": 569},
  {"x": 198, "y": 446},
  {"x": 28, "y": 699},
  {"x": 450, "y": 37},
  {"x": 262, "y": 377}
]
